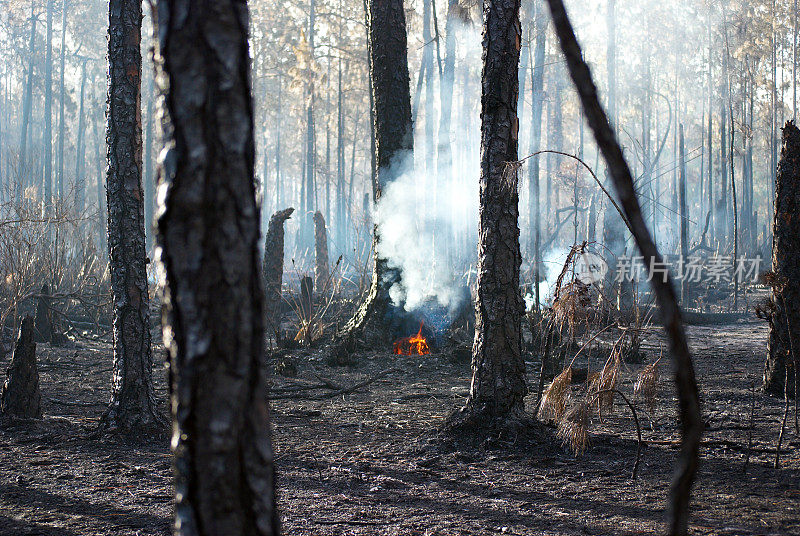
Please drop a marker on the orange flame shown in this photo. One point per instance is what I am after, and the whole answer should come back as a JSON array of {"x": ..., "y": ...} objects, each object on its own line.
[{"x": 415, "y": 345}]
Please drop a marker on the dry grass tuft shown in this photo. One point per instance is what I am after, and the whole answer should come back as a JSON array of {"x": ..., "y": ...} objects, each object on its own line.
[
  {"x": 573, "y": 429},
  {"x": 646, "y": 387},
  {"x": 554, "y": 399}
]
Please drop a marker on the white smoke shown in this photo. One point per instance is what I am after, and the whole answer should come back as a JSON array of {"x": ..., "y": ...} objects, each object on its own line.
[
  {"x": 415, "y": 225},
  {"x": 420, "y": 209}
]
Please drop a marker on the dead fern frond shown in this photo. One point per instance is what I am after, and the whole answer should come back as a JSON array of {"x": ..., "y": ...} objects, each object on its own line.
[
  {"x": 572, "y": 306},
  {"x": 646, "y": 387},
  {"x": 573, "y": 428},
  {"x": 554, "y": 400}
]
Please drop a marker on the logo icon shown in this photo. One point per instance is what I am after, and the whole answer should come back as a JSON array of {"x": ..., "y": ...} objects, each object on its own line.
[{"x": 590, "y": 268}]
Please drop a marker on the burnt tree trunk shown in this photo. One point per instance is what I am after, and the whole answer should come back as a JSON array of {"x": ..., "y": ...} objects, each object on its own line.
[
  {"x": 208, "y": 232},
  {"x": 498, "y": 369},
  {"x": 273, "y": 269},
  {"x": 321, "y": 253},
  {"x": 132, "y": 408},
  {"x": 20, "y": 396},
  {"x": 393, "y": 141},
  {"x": 784, "y": 319}
]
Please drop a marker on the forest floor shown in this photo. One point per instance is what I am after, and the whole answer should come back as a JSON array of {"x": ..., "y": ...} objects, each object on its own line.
[{"x": 370, "y": 461}]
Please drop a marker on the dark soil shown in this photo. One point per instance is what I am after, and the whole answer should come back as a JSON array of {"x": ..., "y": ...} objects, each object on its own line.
[{"x": 372, "y": 461}]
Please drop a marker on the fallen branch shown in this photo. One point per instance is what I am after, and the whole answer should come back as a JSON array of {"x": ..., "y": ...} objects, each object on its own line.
[
  {"x": 640, "y": 443},
  {"x": 75, "y": 403},
  {"x": 337, "y": 392}
]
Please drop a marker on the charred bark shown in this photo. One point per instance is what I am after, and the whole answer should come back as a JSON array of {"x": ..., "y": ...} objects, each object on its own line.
[
  {"x": 498, "y": 368},
  {"x": 273, "y": 269},
  {"x": 132, "y": 409},
  {"x": 780, "y": 374},
  {"x": 208, "y": 232},
  {"x": 393, "y": 143},
  {"x": 321, "y": 272},
  {"x": 690, "y": 418},
  {"x": 20, "y": 396}
]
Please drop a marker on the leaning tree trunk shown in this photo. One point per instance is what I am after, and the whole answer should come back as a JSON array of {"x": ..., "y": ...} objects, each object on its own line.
[
  {"x": 208, "y": 232},
  {"x": 780, "y": 374},
  {"x": 20, "y": 396},
  {"x": 132, "y": 408},
  {"x": 393, "y": 141},
  {"x": 498, "y": 368}
]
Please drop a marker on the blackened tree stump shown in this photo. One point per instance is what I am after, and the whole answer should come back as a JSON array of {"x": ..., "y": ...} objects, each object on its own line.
[
  {"x": 321, "y": 273},
  {"x": 780, "y": 374},
  {"x": 273, "y": 268},
  {"x": 20, "y": 396}
]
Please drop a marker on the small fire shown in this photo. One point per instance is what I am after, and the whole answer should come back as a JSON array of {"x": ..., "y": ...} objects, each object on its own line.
[{"x": 415, "y": 345}]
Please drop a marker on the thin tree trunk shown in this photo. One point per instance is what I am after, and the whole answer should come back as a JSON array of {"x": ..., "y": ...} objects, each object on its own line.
[
  {"x": 340, "y": 163},
  {"x": 690, "y": 419},
  {"x": 734, "y": 202},
  {"x": 710, "y": 137},
  {"x": 683, "y": 212},
  {"x": 149, "y": 179},
  {"x": 22, "y": 179},
  {"x": 534, "y": 188},
  {"x": 279, "y": 195},
  {"x": 613, "y": 226},
  {"x": 446, "y": 87},
  {"x": 307, "y": 216},
  {"x": 62, "y": 127},
  {"x": 208, "y": 232},
  {"x": 132, "y": 409},
  {"x": 48, "y": 111},
  {"x": 80, "y": 146}
]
